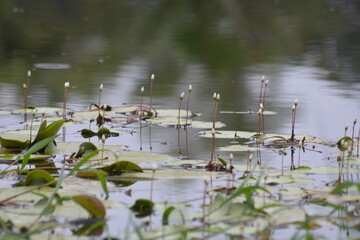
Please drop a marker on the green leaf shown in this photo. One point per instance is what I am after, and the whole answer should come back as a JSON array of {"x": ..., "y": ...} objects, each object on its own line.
[
  {"x": 14, "y": 144},
  {"x": 223, "y": 162},
  {"x": 87, "y": 133},
  {"x": 84, "y": 148},
  {"x": 346, "y": 139},
  {"x": 120, "y": 167},
  {"x": 142, "y": 208},
  {"x": 48, "y": 131},
  {"x": 165, "y": 217},
  {"x": 26, "y": 156},
  {"x": 39, "y": 177},
  {"x": 343, "y": 186},
  {"x": 91, "y": 204},
  {"x": 84, "y": 160}
]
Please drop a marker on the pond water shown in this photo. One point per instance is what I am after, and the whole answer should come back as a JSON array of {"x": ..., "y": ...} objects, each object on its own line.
[{"x": 308, "y": 50}]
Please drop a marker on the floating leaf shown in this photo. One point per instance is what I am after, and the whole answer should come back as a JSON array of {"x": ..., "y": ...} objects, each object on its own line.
[
  {"x": 201, "y": 124},
  {"x": 120, "y": 167},
  {"x": 14, "y": 144},
  {"x": 91, "y": 204},
  {"x": 39, "y": 177},
  {"x": 9, "y": 158},
  {"x": 86, "y": 133},
  {"x": 166, "y": 214},
  {"x": 239, "y": 148},
  {"x": 85, "y": 147},
  {"x": 142, "y": 208}
]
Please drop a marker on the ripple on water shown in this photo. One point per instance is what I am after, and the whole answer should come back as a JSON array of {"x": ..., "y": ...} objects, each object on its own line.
[{"x": 52, "y": 65}]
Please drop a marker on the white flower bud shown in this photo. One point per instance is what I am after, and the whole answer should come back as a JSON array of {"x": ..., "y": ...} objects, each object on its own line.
[
  {"x": 250, "y": 157},
  {"x": 218, "y": 97},
  {"x": 34, "y": 112},
  {"x": 154, "y": 166},
  {"x": 67, "y": 85},
  {"x": 260, "y": 112},
  {"x": 190, "y": 88},
  {"x": 231, "y": 157},
  {"x": 262, "y": 78},
  {"x": 214, "y": 96},
  {"x": 296, "y": 101},
  {"x": 103, "y": 138},
  {"x": 213, "y": 131},
  {"x": 105, "y": 107},
  {"x": 228, "y": 167},
  {"x": 206, "y": 181},
  {"x": 101, "y": 87},
  {"x": 29, "y": 73},
  {"x": 293, "y": 107},
  {"x": 24, "y": 86},
  {"x": 182, "y": 95},
  {"x": 261, "y": 106},
  {"x": 346, "y": 126},
  {"x": 266, "y": 82},
  {"x": 152, "y": 77},
  {"x": 142, "y": 90}
]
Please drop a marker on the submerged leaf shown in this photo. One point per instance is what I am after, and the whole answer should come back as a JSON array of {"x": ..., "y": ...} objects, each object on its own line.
[
  {"x": 143, "y": 208},
  {"x": 91, "y": 204}
]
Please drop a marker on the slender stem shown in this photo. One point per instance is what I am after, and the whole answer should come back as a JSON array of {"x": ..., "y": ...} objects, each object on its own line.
[
  {"x": 187, "y": 143},
  {"x": 65, "y": 96},
  {"x": 293, "y": 125},
  {"x": 179, "y": 126},
  {"x": 352, "y": 140},
  {"x": 261, "y": 89},
  {"x": 187, "y": 109},
  {"x": 140, "y": 118},
  {"x": 100, "y": 100},
  {"x": 358, "y": 143},
  {"x": 263, "y": 98}
]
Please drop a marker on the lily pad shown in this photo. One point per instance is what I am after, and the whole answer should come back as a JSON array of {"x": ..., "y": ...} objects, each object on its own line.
[
  {"x": 120, "y": 167},
  {"x": 39, "y": 177},
  {"x": 239, "y": 148},
  {"x": 91, "y": 204}
]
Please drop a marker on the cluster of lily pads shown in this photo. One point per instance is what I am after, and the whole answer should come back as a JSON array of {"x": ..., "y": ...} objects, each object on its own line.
[{"x": 238, "y": 199}]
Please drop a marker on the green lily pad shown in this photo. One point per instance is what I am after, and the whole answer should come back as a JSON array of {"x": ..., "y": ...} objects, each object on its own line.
[
  {"x": 39, "y": 177},
  {"x": 326, "y": 170},
  {"x": 120, "y": 167},
  {"x": 91, "y": 204},
  {"x": 14, "y": 144}
]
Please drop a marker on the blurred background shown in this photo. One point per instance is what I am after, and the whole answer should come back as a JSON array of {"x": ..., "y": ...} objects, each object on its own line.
[{"x": 308, "y": 50}]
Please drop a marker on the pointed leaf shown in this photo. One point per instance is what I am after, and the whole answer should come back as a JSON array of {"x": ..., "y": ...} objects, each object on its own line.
[
  {"x": 38, "y": 177},
  {"x": 120, "y": 167},
  {"x": 91, "y": 204}
]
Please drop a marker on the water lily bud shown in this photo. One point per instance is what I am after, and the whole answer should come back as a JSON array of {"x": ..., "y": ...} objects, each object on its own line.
[
  {"x": 154, "y": 166},
  {"x": 152, "y": 77},
  {"x": 355, "y": 121},
  {"x": 231, "y": 157},
  {"x": 228, "y": 167},
  {"x": 34, "y": 112},
  {"x": 259, "y": 112},
  {"x": 262, "y": 78},
  {"x": 296, "y": 101},
  {"x": 261, "y": 106},
  {"x": 293, "y": 107},
  {"x": 214, "y": 96},
  {"x": 206, "y": 181},
  {"x": 67, "y": 85},
  {"x": 103, "y": 138},
  {"x": 213, "y": 131},
  {"x": 266, "y": 82},
  {"x": 142, "y": 90},
  {"x": 101, "y": 87},
  {"x": 105, "y": 107},
  {"x": 29, "y": 74},
  {"x": 346, "y": 126},
  {"x": 218, "y": 97},
  {"x": 24, "y": 86},
  {"x": 182, "y": 95},
  {"x": 345, "y": 146},
  {"x": 190, "y": 88},
  {"x": 250, "y": 157}
]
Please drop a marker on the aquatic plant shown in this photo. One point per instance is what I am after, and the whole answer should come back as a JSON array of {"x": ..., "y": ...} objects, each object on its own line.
[
  {"x": 66, "y": 87},
  {"x": 293, "y": 109}
]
